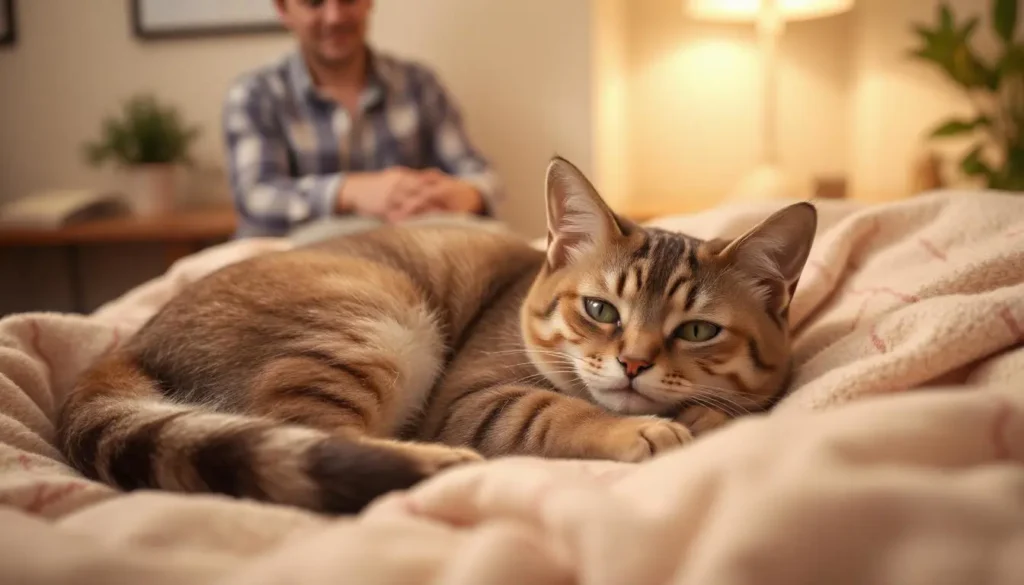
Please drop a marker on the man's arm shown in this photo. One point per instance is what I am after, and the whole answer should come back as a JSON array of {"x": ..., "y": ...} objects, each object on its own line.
[
  {"x": 269, "y": 200},
  {"x": 453, "y": 149}
]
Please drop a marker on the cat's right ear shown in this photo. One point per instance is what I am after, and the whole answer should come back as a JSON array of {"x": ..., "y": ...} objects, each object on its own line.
[
  {"x": 579, "y": 221},
  {"x": 774, "y": 252}
]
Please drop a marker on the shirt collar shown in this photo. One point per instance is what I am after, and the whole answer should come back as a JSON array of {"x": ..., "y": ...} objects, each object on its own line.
[{"x": 376, "y": 89}]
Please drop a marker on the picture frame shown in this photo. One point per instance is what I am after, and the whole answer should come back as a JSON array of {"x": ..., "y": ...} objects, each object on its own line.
[
  {"x": 8, "y": 23},
  {"x": 183, "y": 19}
]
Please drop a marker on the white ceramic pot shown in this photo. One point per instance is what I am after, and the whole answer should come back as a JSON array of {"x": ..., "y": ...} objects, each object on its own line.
[{"x": 152, "y": 189}]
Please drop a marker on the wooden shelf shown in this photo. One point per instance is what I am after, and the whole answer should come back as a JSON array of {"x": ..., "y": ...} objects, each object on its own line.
[
  {"x": 180, "y": 227},
  {"x": 179, "y": 234}
]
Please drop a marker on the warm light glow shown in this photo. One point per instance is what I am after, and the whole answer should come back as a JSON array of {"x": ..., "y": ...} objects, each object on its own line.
[{"x": 748, "y": 10}]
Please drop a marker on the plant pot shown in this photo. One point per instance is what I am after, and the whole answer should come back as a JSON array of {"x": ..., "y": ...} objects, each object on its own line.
[{"x": 152, "y": 189}]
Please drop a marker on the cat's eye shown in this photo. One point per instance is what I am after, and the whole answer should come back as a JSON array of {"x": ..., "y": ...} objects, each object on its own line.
[
  {"x": 601, "y": 311},
  {"x": 697, "y": 331}
]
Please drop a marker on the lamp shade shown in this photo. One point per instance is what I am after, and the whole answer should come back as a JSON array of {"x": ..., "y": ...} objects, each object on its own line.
[{"x": 749, "y": 10}]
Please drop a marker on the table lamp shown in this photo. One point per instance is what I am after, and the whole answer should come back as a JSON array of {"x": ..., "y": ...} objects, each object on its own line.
[{"x": 768, "y": 180}]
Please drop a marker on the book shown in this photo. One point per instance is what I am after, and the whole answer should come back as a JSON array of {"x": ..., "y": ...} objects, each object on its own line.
[{"x": 60, "y": 207}]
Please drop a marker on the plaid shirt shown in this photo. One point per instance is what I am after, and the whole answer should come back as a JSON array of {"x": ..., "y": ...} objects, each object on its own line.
[{"x": 289, "y": 146}]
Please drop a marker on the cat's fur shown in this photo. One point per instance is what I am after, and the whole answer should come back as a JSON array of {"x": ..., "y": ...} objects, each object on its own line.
[{"x": 327, "y": 375}]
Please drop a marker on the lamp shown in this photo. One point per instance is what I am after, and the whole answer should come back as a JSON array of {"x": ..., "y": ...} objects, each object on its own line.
[{"x": 768, "y": 180}]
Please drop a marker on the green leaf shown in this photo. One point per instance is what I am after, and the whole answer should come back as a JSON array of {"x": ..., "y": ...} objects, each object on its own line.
[
  {"x": 965, "y": 67},
  {"x": 969, "y": 27},
  {"x": 1015, "y": 157},
  {"x": 948, "y": 46},
  {"x": 927, "y": 35},
  {"x": 972, "y": 164},
  {"x": 1011, "y": 176},
  {"x": 946, "y": 17},
  {"x": 957, "y": 127},
  {"x": 1004, "y": 18},
  {"x": 925, "y": 55},
  {"x": 1012, "y": 61}
]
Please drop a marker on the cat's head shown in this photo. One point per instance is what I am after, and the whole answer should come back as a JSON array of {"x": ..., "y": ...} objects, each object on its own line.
[{"x": 642, "y": 320}]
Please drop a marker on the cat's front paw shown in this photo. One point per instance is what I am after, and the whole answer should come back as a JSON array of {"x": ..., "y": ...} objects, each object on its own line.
[
  {"x": 699, "y": 418},
  {"x": 431, "y": 458},
  {"x": 638, "y": 438},
  {"x": 436, "y": 458}
]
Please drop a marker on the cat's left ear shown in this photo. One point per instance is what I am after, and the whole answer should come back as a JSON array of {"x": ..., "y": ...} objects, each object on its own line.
[
  {"x": 777, "y": 248},
  {"x": 579, "y": 221}
]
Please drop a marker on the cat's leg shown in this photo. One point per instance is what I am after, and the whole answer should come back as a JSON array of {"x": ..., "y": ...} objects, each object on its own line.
[
  {"x": 520, "y": 419},
  {"x": 364, "y": 383},
  {"x": 700, "y": 418}
]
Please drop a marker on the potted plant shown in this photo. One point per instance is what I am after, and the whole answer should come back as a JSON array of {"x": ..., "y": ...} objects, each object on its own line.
[
  {"x": 994, "y": 86},
  {"x": 150, "y": 142}
]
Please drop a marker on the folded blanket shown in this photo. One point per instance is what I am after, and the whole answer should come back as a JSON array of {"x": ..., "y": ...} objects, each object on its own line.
[{"x": 831, "y": 487}]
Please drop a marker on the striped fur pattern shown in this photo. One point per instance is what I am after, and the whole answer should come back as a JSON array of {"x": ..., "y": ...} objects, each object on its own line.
[{"x": 325, "y": 376}]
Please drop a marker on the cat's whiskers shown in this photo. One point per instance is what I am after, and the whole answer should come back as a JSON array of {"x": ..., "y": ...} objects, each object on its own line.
[
  {"x": 561, "y": 365},
  {"x": 739, "y": 399},
  {"x": 545, "y": 352},
  {"x": 719, "y": 391},
  {"x": 714, "y": 397},
  {"x": 721, "y": 402},
  {"x": 713, "y": 403},
  {"x": 537, "y": 376}
]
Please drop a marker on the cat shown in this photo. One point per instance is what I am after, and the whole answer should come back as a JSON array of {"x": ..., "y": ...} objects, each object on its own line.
[{"x": 329, "y": 374}]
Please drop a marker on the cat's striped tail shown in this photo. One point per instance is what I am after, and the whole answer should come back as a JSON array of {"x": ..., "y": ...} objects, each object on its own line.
[{"x": 116, "y": 427}]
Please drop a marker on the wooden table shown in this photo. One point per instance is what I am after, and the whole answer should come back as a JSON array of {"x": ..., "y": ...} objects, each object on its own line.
[{"x": 180, "y": 234}]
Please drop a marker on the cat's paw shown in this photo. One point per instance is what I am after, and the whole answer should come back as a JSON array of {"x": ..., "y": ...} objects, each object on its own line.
[
  {"x": 638, "y": 438},
  {"x": 436, "y": 458},
  {"x": 699, "y": 418}
]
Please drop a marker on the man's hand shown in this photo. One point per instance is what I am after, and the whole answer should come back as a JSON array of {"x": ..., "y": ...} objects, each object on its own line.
[
  {"x": 369, "y": 193},
  {"x": 399, "y": 193},
  {"x": 434, "y": 191}
]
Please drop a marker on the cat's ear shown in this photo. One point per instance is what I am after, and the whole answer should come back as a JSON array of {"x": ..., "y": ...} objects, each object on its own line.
[
  {"x": 579, "y": 221},
  {"x": 777, "y": 248}
]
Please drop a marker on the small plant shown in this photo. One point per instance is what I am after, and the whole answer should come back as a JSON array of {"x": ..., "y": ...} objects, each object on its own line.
[
  {"x": 996, "y": 90},
  {"x": 146, "y": 132}
]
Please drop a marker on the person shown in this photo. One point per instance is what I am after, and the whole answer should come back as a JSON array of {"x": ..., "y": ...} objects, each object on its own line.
[{"x": 337, "y": 129}]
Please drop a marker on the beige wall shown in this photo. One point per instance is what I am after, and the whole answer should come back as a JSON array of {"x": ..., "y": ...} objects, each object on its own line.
[
  {"x": 521, "y": 69},
  {"x": 73, "y": 64},
  {"x": 610, "y": 66},
  {"x": 896, "y": 100},
  {"x": 850, "y": 101},
  {"x": 694, "y": 104},
  {"x": 524, "y": 83},
  {"x": 662, "y": 111}
]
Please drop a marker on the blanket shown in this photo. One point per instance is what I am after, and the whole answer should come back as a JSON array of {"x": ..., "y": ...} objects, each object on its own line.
[{"x": 896, "y": 458}]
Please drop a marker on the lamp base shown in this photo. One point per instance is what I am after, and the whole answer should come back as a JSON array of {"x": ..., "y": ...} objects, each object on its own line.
[{"x": 765, "y": 183}]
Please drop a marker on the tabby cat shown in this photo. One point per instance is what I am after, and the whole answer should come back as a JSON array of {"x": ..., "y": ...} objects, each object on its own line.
[{"x": 327, "y": 375}]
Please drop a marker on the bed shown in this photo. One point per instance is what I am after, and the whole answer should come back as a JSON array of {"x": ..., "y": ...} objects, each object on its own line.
[{"x": 896, "y": 458}]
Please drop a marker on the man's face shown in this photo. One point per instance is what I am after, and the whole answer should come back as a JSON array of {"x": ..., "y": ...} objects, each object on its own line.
[{"x": 330, "y": 31}]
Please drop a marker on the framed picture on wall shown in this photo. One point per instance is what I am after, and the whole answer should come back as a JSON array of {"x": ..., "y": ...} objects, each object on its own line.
[
  {"x": 166, "y": 19},
  {"x": 8, "y": 23}
]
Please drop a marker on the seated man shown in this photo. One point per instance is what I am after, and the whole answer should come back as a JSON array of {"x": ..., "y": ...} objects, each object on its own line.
[{"x": 339, "y": 130}]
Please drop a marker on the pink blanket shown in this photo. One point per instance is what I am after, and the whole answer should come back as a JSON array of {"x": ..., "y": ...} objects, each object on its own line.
[{"x": 922, "y": 487}]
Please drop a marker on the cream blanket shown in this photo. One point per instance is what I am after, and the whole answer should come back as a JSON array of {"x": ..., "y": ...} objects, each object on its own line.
[{"x": 923, "y": 487}]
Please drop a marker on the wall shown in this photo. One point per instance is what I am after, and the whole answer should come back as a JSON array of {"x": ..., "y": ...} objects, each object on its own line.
[
  {"x": 896, "y": 100},
  {"x": 523, "y": 100},
  {"x": 610, "y": 66},
  {"x": 694, "y": 104},
  {"x": 850, "y": 101},
  {"x": 662, "y": 111},
  {"x": 523, "y": 80},
  {"x": 521, "y": 70},
  {"x": 75, "y": 61}
]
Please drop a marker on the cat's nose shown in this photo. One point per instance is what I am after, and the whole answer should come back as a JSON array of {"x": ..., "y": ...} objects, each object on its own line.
[{"x": 634, "y": 367}]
